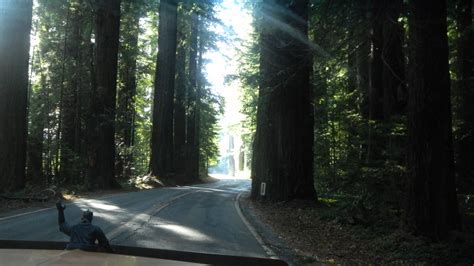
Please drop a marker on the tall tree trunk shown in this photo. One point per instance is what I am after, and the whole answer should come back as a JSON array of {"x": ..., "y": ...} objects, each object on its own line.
[
  {"x": 376, "y": 63},
  {"x": 394, "y": 91},
  {"x": 465, "y": 144},
  {"x": 362, "y": 61},
  {"x": 361, "y": 31},
  {"x": 180, "y": 111},
  {"x": 70, "y": 121},
  {"x": 199, "y": 94},
  {"x": 91, "y": 112},
  {"x": 161, "y": 161},
  {"x": 128, "y": 77},
  {"x": 283, "y": 147},
  {"x": 15, "y": 27},
  {"x": 107, "y": 25},
  {"x": 192, "y": 163},
  {"x": 376, "y": 90},
  {"x": 431, "y": 207}
]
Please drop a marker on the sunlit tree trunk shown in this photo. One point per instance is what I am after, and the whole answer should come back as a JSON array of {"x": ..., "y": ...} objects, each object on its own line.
[
  {"x": 283, "y": 147},
  {"x": 431, "y": 207},
  {"x": 161, "y": 161},
  {"x": 15, "y": 27}
]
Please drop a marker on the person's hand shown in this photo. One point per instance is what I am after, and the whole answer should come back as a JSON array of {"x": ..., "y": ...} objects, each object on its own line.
[{"x": 60, "y": 206}]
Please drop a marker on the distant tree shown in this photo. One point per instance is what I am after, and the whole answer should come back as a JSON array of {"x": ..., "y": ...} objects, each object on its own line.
[
  {"x": 161, "y": 161},
  {"x": 37, "y": 110},
  {"x": 192, "y": 149},
  {"x": 210, "y": 109},
  {"x": 283, "y": 148},
  {"x": 71, "y": 91},
  {"x": 102, "y": 150},
  {"x": 393, "y": 71},
  {"x": 15, "y": 27},
  {"x": 60, "y": 80},
  {"x": 128, "y": 55},
  {"x": 362, "y": 54},
  {"x": 431, "y": 206},
  {"x": 376, "y": 63},
  {"x": 202, "y": 106}
]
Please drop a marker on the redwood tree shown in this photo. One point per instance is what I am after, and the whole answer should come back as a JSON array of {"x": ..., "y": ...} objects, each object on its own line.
[
  {"x": 71, "y": 92},
  {"x": 128, "y": 52},
  {"x": 393, "y": 71},
  {"x": 431, "y": 207},
  {"x": 465, "y": 56},
  {"x": 192, "y": 163},
  {"x": 161, "y": 161},
  {"x": 180, "y": 110},
  {"x": 283, "y": 147},
  {"x": 15, "y": 27},
  {"x": 102, "y": 155}
]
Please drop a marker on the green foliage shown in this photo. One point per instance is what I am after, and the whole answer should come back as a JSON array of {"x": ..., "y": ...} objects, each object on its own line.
[
  {"x": 211, "y": 110},
  {"x": 147, "y": 43},
  {"x": 248, "y": 77},
  {"x": 46, "y": 78}
]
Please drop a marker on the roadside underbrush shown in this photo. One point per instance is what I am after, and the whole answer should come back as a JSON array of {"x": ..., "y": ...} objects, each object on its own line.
[{"x": 332, "y": 233}]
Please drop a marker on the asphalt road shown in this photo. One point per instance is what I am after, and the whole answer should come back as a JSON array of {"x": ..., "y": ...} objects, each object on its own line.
[{"x": 201, "y": 218}]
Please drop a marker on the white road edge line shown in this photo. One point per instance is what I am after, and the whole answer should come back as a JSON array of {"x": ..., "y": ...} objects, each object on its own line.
[
  {"x": 252, "y": 230},
  {"x": 25, "y": 213},
  {"x": 49, "y": 208}
]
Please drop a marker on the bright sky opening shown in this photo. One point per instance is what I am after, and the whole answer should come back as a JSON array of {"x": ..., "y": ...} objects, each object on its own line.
[{"x": 236, "y": 25}]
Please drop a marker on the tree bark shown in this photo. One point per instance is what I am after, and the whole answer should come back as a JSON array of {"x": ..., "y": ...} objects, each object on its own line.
[
  {"x": 283, "y": 147},
  {"x": 192, "y": 164},
  {"x": 180, "y": 112},
  {"x": 465, "y": 64},
  {"x": 15, "y": 27},
  {"x": 161, "y": 161},
  {"x": 393, "y": 71},
  {"x": 362, "y": 36},
  {"x": 376, "y": 64},
  {"x": 199, "y": 94},
  {"x": 70, "y": 118},
  {"x": 431, "y": 207},
  {"x": 107, "y": 24}
]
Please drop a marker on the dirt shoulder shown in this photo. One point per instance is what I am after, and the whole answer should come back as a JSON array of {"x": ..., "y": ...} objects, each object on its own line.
[{"x": 306, "y": 233}]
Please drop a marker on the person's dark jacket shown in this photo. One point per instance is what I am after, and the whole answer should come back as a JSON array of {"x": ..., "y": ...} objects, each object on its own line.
[{"x": 83, "y": 235}]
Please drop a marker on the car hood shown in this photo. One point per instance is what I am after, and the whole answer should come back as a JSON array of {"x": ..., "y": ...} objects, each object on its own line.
[{"x": 18, "y": 252}]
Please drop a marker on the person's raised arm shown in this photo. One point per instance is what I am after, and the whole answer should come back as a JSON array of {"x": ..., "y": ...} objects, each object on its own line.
[{"x": 63, "y": 226}]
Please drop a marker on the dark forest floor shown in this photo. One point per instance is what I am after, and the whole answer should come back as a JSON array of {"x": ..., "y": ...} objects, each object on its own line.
[{"x": 322, "y": 233}]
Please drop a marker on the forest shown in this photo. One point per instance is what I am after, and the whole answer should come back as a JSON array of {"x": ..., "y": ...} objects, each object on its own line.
[
  {"x": 89, "y": 93},
  {"x": 365, "y": 105}
]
